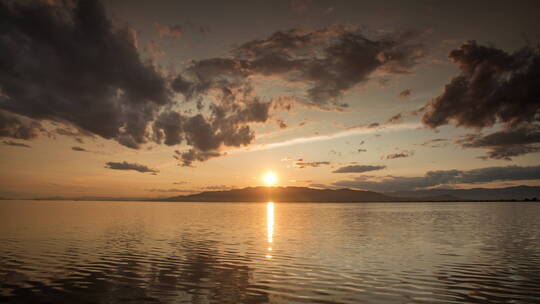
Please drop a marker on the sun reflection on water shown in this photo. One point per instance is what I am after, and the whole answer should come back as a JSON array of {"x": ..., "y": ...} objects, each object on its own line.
[{"x": 270, "y": 226}]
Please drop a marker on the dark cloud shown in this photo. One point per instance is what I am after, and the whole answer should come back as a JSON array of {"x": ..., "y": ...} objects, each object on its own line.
[
  {"x": 67, "y": 64},
  {"x": 493, "y": 86},
  {"x": 435, "y": 143},
  {"x": 79, "y": 149},
  {"x": 227, "y": 125},
  {"x": 405, "y": 93},
  {"x": 444, "y": 177},
  {"x": 402, "y": 154},
  {"x": 16, "y": 144},
  {"x": 18, "y": 127},
  {"x": 301, "y": 164},
  {"x": 130, "y": 166},
  {"x": 330, "y": 61},
  {"x": 281, "y": 124},
  {"x": 505, "y": 144},
  {"x": 168, "y": 128},
  {"x": 396, "y": 119},
  {"x": 358, "y": 169},
  {"x": 372, "y": 125},
  {"x": 362, "y": 150},
  {"x": 187, "y": 158}
]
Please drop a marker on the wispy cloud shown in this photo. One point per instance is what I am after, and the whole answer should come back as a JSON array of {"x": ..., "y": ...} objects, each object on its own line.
[{"x": 316, "y": 138}]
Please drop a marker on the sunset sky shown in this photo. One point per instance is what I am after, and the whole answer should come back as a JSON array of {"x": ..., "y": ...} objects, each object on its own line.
[{"x": 162, "y": 98}]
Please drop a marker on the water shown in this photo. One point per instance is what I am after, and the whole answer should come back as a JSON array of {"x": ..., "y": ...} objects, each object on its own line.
[{"x": 139, "y": 252}]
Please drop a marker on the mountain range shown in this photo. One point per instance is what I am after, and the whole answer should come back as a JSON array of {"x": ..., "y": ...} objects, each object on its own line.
[
  {"x": 508, "y": 193},
  {"x": 304, "y": 194}
]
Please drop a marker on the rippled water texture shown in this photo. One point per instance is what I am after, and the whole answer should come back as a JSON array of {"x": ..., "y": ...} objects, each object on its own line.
[{"x": 134, "y": 252}]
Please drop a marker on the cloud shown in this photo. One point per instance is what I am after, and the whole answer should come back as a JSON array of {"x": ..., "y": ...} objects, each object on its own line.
[
  {"x": 79, "y": 149},
  {"x": 281, "y": 124},
  {"x": 443, "y": 177},
  {"x": 402, "y": 154},
  {"x": 435, "y": 143},
  {"x": 405, "y": 93},
  {"x": 114, "y": 94},
  {"x": 118, "y": 96},
  {"x": 16, "y": 144},
  {"x": 17, "y": 127},
  {"x": 505, "y": 144},
  {"x": 129, "y": 166},
  {"x": 358, "y": 169},
  {"x": 174, "y": 31},
  {"x": 493, "y": 86},
  {"x": 301, "y": 164},
  {"x": 351, "y": 131},
  {"x": 227, "y": 126},
  {"x": 65, "y": 131},
  {"x": 187, "y": 158},
  {"x": 362, "y": 150},
  {"x": 123, "y": 98},
  {"x": 329, "y": 61},
  {"x": 395, "y": 119},
  {"x": 154, "y": 49}
]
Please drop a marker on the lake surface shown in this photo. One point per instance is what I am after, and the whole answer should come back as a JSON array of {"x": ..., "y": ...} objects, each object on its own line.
[{"x": 143, "y": 252}]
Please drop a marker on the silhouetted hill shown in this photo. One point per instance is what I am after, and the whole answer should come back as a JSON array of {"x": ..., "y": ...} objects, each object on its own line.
[
  {"x": 297, "y": 194},
  {"x": 509, "y": 193},
  {"x": 304, "y": 194},
  {"x": 284, "y": 194}
]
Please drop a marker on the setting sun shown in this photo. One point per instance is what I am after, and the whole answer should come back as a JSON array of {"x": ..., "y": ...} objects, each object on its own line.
[{"x": 270, "y": 178}]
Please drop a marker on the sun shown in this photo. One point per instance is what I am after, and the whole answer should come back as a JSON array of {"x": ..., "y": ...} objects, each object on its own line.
[{"x": 270, "y": 178}]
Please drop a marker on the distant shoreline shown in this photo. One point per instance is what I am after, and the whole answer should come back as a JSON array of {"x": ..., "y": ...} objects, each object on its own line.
[{"x": 312, "y": 195}]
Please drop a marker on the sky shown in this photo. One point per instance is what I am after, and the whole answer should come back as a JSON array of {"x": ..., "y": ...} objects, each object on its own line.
[{"x": 161, "y": 98}]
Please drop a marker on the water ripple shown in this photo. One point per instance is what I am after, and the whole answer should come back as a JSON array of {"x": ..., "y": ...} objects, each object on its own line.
[{"x": 314, "y": 253}]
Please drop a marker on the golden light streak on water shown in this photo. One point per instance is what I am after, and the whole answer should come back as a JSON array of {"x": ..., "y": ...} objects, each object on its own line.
[{"x": 270, "y": 226}]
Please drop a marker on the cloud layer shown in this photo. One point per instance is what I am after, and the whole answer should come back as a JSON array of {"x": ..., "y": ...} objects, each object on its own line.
[
  {"x": 67, "y": 64},
  {"x": 301, "y": 164},
  {"x": 493, "y": 86},
  {"x": 444, "y": 177},
  {"x": 358, "y": 169},
  {"x": 130, "y": 166},
  {"x": 402, "y": 154},
  {"x": 329, "y": 61},
  {"x": 16, "y": 144},
  {"x": 505, "y": 144}
]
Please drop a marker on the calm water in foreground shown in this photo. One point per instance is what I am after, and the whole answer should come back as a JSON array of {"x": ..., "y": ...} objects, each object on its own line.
[{"x": 134, "y": 252}]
